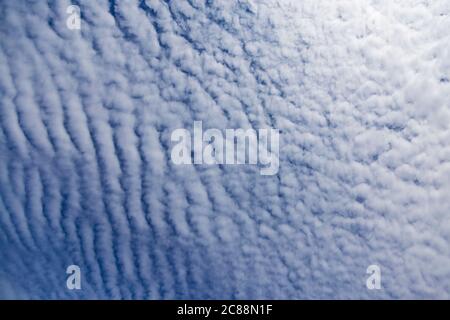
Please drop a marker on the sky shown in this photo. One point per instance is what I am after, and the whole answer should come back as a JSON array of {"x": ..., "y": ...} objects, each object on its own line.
[{"x": 358, "y": 90}]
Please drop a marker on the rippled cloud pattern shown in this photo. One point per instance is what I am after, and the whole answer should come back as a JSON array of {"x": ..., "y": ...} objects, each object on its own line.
[{"x": 359, "y": 90}]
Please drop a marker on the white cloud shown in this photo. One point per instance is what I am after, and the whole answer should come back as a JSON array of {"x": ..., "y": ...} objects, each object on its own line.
[{"x": 358, "y": 90}]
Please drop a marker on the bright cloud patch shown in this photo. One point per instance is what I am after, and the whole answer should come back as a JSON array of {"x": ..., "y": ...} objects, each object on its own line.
[{"x": 359, "y": 91}]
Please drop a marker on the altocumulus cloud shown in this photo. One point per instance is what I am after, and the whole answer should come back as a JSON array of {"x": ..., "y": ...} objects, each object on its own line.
[{"x": 358, "y": 89}]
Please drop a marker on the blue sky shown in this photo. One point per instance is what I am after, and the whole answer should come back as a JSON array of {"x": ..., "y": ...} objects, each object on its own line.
[{"x": 358, "y": 89}]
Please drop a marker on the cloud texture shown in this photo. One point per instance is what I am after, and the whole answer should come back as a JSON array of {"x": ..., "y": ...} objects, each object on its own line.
[{"x": 359, "y": 90}]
